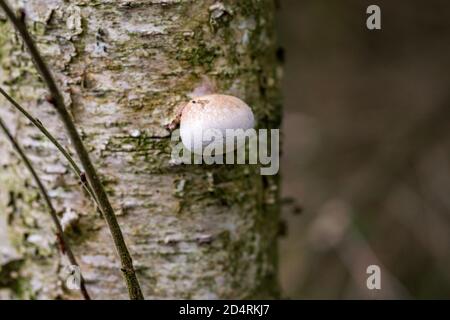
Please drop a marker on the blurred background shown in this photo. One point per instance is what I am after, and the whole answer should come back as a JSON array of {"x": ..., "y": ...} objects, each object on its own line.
[{"x": 366, "y": 155}]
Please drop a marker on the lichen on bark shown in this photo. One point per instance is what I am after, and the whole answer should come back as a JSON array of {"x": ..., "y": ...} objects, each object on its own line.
[{"x": 194, "y": 231}]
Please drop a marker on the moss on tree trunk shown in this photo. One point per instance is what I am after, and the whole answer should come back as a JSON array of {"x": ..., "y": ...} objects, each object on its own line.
[{"x": 194, "y": 231}]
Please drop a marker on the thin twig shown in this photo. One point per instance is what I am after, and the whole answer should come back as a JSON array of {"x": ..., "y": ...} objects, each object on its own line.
[
  {"x": 53, "y": 140},
  {"x": 134, "y": 289},
  {"x": 63, "y": 243}
]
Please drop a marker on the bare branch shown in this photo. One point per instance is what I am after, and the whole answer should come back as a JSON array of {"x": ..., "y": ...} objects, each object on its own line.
[
  {"x": 63, "y": 243},
  {"x": 53, "y": 140},
  {"x": 57, "y": 100}
]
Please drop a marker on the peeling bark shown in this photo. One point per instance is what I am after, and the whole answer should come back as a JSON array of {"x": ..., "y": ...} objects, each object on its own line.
[{"x": 194, "y": 231}]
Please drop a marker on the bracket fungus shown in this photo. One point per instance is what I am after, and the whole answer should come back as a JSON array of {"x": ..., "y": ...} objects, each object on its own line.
[{"x": 208, "y": 119}]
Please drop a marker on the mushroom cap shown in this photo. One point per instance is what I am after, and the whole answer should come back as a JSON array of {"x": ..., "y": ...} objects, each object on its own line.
[{"x": 215, "y": 112}]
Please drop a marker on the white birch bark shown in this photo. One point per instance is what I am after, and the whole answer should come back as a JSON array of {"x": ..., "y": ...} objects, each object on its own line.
[{"x": 124, "y": 67}]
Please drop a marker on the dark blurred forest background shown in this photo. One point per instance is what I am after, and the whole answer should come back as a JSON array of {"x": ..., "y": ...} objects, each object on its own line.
[{"x": 366, "y": 148}]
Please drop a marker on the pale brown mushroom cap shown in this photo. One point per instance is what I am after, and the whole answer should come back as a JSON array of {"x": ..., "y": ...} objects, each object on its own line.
[{"x": 214, "y": 111}]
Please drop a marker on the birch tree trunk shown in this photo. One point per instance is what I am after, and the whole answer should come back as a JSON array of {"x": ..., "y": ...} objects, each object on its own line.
[{"x": 194, "y": 231}]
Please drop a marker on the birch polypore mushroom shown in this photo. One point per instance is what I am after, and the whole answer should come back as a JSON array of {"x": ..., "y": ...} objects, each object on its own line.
[{"x": 211, "y": 115}]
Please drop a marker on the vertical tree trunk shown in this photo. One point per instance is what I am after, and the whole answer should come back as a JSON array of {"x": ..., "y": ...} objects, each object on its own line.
[{"x": 194, "y": 231}]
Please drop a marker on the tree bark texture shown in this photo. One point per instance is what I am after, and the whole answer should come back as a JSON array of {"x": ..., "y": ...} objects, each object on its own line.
[{"x": 194, "y": 231}]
